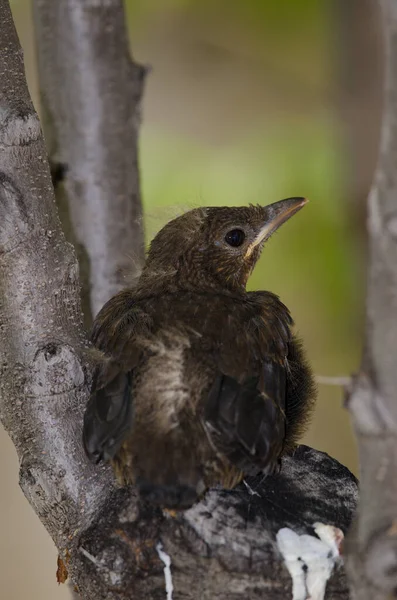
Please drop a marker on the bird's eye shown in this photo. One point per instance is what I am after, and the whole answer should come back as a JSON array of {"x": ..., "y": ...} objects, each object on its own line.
[{"x": 235, "y": 237}]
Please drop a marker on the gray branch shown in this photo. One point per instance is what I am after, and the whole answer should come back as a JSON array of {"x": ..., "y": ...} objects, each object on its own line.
[
  {"x": 373, "y": 401},
  {"x": 233, "y": 545},
  {"x": 91, "y": 93}
]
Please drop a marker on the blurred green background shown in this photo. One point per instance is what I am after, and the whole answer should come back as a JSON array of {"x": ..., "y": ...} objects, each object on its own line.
[{"x": 248, "y": 101}]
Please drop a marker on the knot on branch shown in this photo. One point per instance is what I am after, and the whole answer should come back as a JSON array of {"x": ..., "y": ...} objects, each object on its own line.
[
  {"x": 18, "y": 129},
  {"x": 369, "y": 408},
  {"x": 56, "y": 370}
]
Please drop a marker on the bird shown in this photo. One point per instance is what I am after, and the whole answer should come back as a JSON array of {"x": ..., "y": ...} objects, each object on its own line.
[{"x": 197, "y": 381}]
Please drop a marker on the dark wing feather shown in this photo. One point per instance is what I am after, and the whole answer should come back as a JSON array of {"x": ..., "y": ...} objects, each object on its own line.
[
  {"x": 246, "y": 420},
  {"x": 108, "y": 418},
  {"x": 109, "y": 413},
  {"x": 246, "y": 406}
]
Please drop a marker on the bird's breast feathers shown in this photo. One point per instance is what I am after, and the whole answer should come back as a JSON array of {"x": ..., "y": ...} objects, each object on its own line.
[{"x": 162, "y": 387}]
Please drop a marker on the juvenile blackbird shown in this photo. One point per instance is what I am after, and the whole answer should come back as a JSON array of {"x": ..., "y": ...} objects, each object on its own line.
[{"x": 201, "y": 382}]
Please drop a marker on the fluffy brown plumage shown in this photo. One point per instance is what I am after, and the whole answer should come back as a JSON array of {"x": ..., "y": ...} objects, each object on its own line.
[{"x": 202, "y": 382}]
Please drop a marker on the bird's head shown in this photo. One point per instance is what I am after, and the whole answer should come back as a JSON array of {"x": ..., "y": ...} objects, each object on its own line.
[{"x": 215, "y": 247}]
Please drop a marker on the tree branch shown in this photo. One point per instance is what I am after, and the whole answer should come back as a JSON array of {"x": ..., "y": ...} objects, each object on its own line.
[
  {"x": 372, "y": 403},
  {"x": 44, "y": 371},
  {"x": 247, "y": 542},
  {"x": 91, "y": 91}
]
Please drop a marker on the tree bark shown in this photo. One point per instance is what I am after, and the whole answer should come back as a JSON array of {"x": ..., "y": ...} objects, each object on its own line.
[
  {"x": 372, "y": 544},
  {"x": 234, "y": 544},
  {"x": 90, "y": 93}
]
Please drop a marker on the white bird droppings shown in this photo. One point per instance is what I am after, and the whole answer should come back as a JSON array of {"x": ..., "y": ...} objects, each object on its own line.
[
  {"x": 166, "y": 559},
  {"x": 310, "y": 560}
]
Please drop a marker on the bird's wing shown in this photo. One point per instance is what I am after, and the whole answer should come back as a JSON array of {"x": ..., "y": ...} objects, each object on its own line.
[
  {"x": 246, "y": 420},
  {"x": 109, "y": 412},
  {"x": 245, "y": 409},
  {"x": 108, "y": 417}
]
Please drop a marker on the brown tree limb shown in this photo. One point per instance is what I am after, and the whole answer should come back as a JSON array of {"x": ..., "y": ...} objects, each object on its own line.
[
  {"x": 91, "y": 91},
  {"x": 232, "y": 544},
  {"x": 373, "y": 402}
]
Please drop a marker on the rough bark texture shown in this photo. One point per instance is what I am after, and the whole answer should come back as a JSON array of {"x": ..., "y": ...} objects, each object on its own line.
[
  {"x": 91, "y": 91},
  {"x": 223, "y": 548},
  {"x": 373, "y": 404}
]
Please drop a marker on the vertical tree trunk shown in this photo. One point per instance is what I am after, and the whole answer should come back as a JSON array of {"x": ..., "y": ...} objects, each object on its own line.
[
  {"x": 373, "y": 402},
  {"x": 91, "y": 93}
]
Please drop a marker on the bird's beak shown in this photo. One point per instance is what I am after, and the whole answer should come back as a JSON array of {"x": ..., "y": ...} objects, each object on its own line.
[{"x": 274, "y": 216}]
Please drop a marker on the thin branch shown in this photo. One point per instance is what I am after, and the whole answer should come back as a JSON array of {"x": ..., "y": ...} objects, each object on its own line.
[
  {"x": 334, "y": 380},
  {"x": 373, "y": 542},
  {"x": 91, "y": 93}
]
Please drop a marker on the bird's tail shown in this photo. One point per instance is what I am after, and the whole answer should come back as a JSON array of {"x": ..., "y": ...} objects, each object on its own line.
[{"x": 168, "y": 469}]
